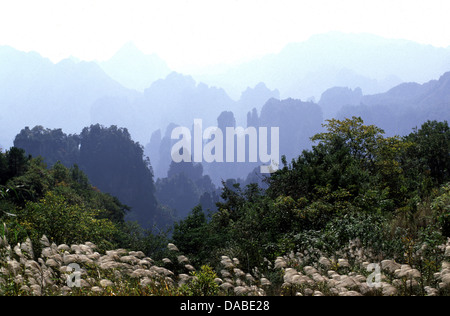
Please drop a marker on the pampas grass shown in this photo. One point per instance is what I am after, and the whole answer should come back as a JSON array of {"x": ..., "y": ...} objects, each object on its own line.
[{"x": 123, "y": 272}]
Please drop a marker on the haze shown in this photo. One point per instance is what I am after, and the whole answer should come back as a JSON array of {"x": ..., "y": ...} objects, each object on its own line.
[
  {"x": 193, "y": 34},
  {"x": 308, "y": 127},
  {"x": 149, "y": 66}
]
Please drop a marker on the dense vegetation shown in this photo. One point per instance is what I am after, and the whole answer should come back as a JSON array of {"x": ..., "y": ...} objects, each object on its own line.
[
  {"x": 59, "y": 202},
  {"x": 354, "y": 183},
  {"x": 390, "y": 196},
  {"x": 113, "y": 162}
]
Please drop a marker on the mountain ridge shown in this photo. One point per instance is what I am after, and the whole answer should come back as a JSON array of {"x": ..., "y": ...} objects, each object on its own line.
[
  {"x": 324, "y": 56},
  {"x": 134, "y": 69},
  {"x": 400, "y": 109}
]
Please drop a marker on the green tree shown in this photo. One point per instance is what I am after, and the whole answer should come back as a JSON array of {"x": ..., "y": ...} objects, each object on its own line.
[
  {"x": 62, "y": 222},
  {"x": 191, "y": 235},
  {"x": 361, "y": 140},
  {"x": 3, "y": 169},
  {"x": 349, "y": 157},
  {"x": 203, "y": 283},
  {"x": 342, "y": 159},
  {"x": 429, "y": 154},
  {"x": 112, "y": 161},
  {"x": 17, "y": 162},
  {"x": 51, "y": 144}
]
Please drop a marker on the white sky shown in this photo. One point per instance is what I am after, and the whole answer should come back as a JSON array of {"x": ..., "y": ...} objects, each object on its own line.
[{"x": 189, "y": 33}]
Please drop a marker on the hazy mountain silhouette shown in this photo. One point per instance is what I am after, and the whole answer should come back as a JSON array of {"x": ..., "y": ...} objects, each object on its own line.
[
  {"x": 184, "y": 188},
  {"x": 306, "y": 69},
  {"x": 159, "y": 149},
  {"x": 333, "y": 99},
  {"x": 298, "y": 122},
  {"x": 253, "y": 98},
  {"x": 133, "y": 69},
  {"x": 73, "y": 94},
  {"x": 351, "y": 73},
  {"x": 398, "y": 110},
  {"x": 176, "y": 98},
  {"x": 113, "y": 162},
  {"x": 34, "y": 91},
  {"x": 180, "y": 99}
]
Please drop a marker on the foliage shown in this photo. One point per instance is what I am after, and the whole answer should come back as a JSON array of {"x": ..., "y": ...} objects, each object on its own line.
[
  {"x": 430, "y": 150},
  {"x": 184, "y": 188},
  {"x": 202, "y": 284},
  {"x": 191, "y": 234},
  {"x": 53, "y": 216},
  {"x": 355, "y": 183},
  {"x": 110, "y": 159},
  {"x": 61, "y": 203},
  {"x": 441, "y": 207},
  {"x": 355, "y": 197},
  {"x": 52, "y": 145}
]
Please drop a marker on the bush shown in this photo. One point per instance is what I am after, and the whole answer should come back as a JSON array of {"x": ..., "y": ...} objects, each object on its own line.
[
  {"x": 64, "y": 223},
  {"x": 203, "y": 283}
]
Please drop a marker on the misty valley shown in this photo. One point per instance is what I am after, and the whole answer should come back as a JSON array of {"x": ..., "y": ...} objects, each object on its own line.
[{"x": 311, "y": 172}]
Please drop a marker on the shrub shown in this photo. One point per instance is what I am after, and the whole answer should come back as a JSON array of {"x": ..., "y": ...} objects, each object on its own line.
[
  {"x": 53, "y": 216},
  {"x": 202, "y": 284}
]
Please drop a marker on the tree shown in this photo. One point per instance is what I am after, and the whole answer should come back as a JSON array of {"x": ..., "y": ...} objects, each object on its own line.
[
  {"x": 343, "y": 158},
  {"x": 203, "y": 283},
  {"x": 62, "y": 222},
  {"x": 116, "y": 165},
  {"x": 3, "y": 169},
  {"x": 185, "y": 187},
  {"x": 51, "y": 144},
  {"x": 361, "y": 140},
  {"x": 191, "y": 236},
  {"x": 17, "y": 162},
  {"x": 112, "y": 161},
  {"x": 431, "y": 150}
]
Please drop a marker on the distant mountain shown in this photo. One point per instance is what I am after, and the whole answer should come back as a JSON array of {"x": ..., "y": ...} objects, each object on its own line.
[
  {"x": 133, "y": 69},
  {"x": 72, "y": 94},
  {"x": 333, "y": 99},
  {"x": 297, "y": 122},
  {"x": 306, "y": 69},
  {"x": 176, "y": 98},
  {"x": 179, "y": 99},
  {"x": 112, "y": 161},
  {"x": 253, "y": 98},
  {"x": 434, "y": 92},
  {"x": 398, "y": 110},
  {"x": 35, "y": 91}
]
